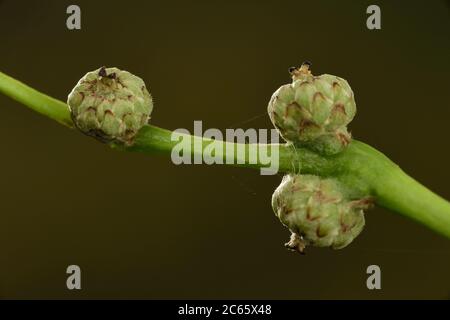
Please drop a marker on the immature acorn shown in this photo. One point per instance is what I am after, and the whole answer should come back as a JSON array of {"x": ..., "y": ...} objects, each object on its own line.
[
  {"x": 314, "y": 111},
  {"x": 317, "y": 212},
  {"x": 110, "y": 105}
]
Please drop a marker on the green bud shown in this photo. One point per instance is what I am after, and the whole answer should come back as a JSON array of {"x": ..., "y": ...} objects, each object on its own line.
[
  {"x": 317, "y": 212},
  {"x": 110, "y": 105},
  {"x": 314, "y": 111}
]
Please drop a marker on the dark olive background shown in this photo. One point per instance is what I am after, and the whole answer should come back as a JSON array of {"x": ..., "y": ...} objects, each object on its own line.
[{"x": 141, "y": 227}]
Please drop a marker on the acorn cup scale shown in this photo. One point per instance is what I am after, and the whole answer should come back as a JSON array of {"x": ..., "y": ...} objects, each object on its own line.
[
  {"x": 111, "y": 105},
  {"x": 314, "y": 111}
]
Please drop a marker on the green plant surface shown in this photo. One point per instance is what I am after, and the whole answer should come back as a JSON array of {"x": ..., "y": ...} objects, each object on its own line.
[{"x": 360, "y": 168}]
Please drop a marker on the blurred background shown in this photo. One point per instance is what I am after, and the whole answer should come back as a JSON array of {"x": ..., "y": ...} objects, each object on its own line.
[{"x": 141, "y": 227}]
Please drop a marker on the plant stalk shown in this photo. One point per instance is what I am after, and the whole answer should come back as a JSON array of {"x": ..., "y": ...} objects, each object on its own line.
[{"x": 364, "y": 170}]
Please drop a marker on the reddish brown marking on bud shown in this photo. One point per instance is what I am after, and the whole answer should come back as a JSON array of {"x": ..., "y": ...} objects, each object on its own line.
[
  {"x": 318, "y": 95},
  {"x": 339, "y": 107},
  {"x": 344, "y": 227},
  {"x": 364, "y": 203},
  {"x": 343, "y": 138},
  {"x": 308, "y": 214},
  {"x": 294, "y": 105},
  {"x": 109, "y": 112},
  {"x": 323, "y": 198},
  {"x": 305, "y": 124},
  {"x": 336, "y": 84}
]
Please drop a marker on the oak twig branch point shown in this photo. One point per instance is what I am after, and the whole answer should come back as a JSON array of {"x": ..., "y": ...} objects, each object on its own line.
[{"x": 360, "y": 170}]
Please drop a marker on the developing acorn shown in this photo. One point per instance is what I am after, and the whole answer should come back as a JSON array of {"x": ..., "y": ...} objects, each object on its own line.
[
  {"x": 314, "y": 111},
  {"x": 317, "y": 212},
  {"x": 110, "y": 105}
]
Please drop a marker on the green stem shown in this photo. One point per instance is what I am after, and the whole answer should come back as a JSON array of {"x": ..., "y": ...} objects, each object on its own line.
[
  {"x": 364, "y": 170},
  {"x": 39, "y": 102}
]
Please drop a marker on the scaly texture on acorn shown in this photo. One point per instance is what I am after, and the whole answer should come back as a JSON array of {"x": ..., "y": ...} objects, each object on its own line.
[
  {"x": 110, "y": 105},
  {"x": 314, "y": 111},
  {"x": 317, "y": 212}
]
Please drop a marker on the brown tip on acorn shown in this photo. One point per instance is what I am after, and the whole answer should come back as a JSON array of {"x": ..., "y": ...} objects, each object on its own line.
[
  {"x": 292, "y": 69},
  {"x": 102, "y": 72},
  {"x": 304, "y": 69},
  {"x": 296, "y": 244}
]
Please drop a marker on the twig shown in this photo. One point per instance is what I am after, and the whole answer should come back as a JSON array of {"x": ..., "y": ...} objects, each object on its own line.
[{"x": 360, "y": 167}]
